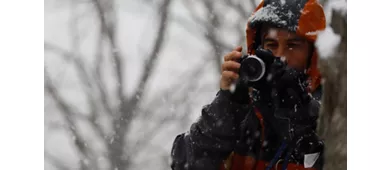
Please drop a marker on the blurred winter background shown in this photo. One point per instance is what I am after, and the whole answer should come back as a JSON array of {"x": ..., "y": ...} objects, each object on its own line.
[{"x": 123, "y": 78}]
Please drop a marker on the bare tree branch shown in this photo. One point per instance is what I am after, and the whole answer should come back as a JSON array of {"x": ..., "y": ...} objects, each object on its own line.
[
  {"x": 55, "y": 161},
  {"x": 97, "y": 88},
  {"x": 175, "y": 97},
  {"x": 254, "y": 4},
  {"x": 212, "y": 25},
  {"x": 238, "y": 7},
  {"x": 70, "y": 57},
  {"x": 149, "y": 66},
  {"x": 98, "y": 72},
  {"x": 178, "y": 88},
  {"x": 106, "y": 9},
  {"x": 128, "y": 105},
  {"x": 84, "y": 78},
  {"x": 192, "y": 28},
  {"x": 67, "y": 111},
  {"x": 211, "y": 34},
  {"x": 189, "y": 5},
  {"x": 151, "y": 60}
]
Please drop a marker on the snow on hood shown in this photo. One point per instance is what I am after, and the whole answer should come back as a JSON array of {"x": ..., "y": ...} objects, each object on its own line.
[{"x": 267, "y": 14}]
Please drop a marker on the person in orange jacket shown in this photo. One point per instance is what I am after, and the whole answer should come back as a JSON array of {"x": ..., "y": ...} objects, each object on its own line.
[{"x": 274, "y": 127}]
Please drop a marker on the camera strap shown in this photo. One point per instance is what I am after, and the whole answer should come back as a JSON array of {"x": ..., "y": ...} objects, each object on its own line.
[
  {"x": 291, "y": 145},
  {"x": 277, "y": 155}
]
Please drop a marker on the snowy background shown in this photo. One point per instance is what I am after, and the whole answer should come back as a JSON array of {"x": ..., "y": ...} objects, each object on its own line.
[{"x": 123, "y": 78}]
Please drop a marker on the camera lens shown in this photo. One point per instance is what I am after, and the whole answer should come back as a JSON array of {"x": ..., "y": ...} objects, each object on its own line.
[{"x": 253, "y": 68}]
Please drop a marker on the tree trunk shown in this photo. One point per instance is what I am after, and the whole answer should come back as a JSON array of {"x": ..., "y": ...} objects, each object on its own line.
[{"x": 333, "y": 114}]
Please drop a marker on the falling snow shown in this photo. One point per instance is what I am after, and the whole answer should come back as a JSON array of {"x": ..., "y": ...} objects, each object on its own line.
[
  {"x": 232, "y": 87},
  {"x": 327, "y": 42},
  {"x": 219, "y": 123},
  {"x": 312, "y": 33},
  {"x": 283, "y": 58},
  {"x": 272, "y": 33},
  {"x": 282, "y": 2},
  {"x": 327, "y": 45}
]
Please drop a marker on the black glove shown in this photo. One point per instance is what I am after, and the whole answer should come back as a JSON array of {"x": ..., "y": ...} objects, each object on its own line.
[
  {"x": 307, "y": 144},
  {"x": 241, "y": 92},
  {"x": 293, "y": 105}
]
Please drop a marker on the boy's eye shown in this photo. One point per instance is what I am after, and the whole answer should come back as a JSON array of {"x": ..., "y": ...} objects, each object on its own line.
[
  {"x": 292, "y": 45},
  {"x": 271, "y": 45}
]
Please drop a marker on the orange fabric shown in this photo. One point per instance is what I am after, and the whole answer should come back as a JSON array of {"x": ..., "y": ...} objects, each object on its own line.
[
  {"x": 250, "y": 33},
  {"x": 242, "y": 162},
  {"x": 261, "y": 165},
  {"x": 314, "y": 72},
  {"x": 312, "y": 20}
]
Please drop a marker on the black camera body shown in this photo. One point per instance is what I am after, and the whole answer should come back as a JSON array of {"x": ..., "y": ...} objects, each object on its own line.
[
  {"x": 255, "y": 68},
  {"x": 253, "y": 72}
]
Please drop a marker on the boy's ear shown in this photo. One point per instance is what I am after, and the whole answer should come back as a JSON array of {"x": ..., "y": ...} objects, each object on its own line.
[{"x": 311, "y": 51}]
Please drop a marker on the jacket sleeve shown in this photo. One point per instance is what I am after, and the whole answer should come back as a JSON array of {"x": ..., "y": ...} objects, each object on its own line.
[
  {"x": 211, "y": 138},
  {"x": 319, "y": 164},
  {"x": 315, "y": 109}
]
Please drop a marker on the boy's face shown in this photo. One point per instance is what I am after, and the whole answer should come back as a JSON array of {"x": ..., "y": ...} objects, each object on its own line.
[{"x": 286, "y": 44}]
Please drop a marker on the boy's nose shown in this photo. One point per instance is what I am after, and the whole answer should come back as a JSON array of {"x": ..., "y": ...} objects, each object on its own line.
[{"x": 279, "y": 51}]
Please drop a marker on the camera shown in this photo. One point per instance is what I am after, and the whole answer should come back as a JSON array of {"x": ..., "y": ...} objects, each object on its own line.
[
  {"x": 255, "y": 68},
  {"x": 253, "y": 72}
]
